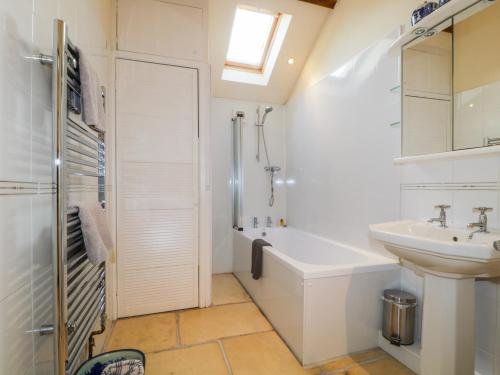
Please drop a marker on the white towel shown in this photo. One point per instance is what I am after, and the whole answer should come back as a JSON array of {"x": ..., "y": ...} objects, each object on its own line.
[
  {"x": 125, "y": 367},
  {"x": 96, "y": 235},
  {"x": 92, "y": 101}
]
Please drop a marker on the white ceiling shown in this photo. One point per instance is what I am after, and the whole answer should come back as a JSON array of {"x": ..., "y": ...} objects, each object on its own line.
[{"x": 306, "y": 24}]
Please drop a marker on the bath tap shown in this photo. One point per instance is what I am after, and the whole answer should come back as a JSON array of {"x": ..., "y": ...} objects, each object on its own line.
[
  {"x": 255, "y": 222},
  {"x": 482, "y": 224},
  {"x": 269, "y": 222},
  {"x": 442, "y": 215}
]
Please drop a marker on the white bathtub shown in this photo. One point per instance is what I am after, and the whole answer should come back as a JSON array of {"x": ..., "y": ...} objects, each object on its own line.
[{"x": 322, "y": 297}]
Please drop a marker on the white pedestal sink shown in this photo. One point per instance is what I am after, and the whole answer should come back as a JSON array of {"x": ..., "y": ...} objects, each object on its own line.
[{"x": 450, "y": 262}]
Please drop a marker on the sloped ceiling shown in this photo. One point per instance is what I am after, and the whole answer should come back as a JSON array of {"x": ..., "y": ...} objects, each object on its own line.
[{"x": 306, "y": 24}]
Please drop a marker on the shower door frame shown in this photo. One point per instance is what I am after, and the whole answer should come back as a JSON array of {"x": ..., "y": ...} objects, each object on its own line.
[
  {"x": 205, "y": 171},
  {"x": 237, "y": 170}
]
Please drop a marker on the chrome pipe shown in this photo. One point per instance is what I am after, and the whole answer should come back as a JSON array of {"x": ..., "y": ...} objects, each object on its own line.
[
  {"x": 100, "y": 331},
  {"x": 44, "y": 59},
  {"x": 59, "y": 117}
]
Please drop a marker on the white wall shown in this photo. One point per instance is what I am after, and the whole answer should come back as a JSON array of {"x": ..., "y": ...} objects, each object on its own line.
[
  {"x": 26, "y": 265},
  {"x": 256, "y": 182},
  {"x": 476, "y": 116},
  {"x": 351, "y": 27},
  {"x": 339, "y": 141},
  {"x": 340, "y": 149},
  {"x": 463, "y": 184},
  {"x": 26, "y": 273}
]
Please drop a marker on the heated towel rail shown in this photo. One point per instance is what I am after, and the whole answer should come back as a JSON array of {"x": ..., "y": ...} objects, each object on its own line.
[{"x": 80, "y": 174}]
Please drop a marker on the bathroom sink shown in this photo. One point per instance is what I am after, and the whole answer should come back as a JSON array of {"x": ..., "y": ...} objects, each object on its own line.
[{"x": 446, "y": 252}]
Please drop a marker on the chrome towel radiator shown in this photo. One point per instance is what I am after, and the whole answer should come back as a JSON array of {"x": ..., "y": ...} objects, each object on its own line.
[{"x": 79, "y": 171}]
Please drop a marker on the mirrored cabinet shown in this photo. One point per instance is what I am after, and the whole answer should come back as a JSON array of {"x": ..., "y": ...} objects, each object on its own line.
[{"x": 451, "y": 84}]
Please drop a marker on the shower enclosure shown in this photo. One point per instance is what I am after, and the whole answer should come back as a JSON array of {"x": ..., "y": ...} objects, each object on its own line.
[
  {"x": 237, "y": 177},
  {"x": 253, "y": 176}
]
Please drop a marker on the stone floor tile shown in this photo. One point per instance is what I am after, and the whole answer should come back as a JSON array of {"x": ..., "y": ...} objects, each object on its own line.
[
  {"x": 202, "y": 325},
  {"x": 226, "y": 289},
  {"x": 386, "y": 366},
  {"x": 263, "y": 354},
  {"x": 206, "y": 359},
  {"x": 149, "y": 333}
]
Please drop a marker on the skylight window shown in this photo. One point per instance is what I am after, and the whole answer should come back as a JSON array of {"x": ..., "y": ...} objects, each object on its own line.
[
  {"x": 251, "y": 38},
  {"x": 254, "y": 46}
]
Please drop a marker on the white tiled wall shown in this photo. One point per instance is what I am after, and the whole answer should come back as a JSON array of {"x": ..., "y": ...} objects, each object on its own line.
[
  {"x": 477, "y": 115},
  {"x": 463, "y": 184},
  {"x": 26, "y": 264},
  {"x": 340, "y": 148},
  {"x": 256, "y": 182},
  {"x": 339, "y": 153},
  {"x": 26, "y": 281}
]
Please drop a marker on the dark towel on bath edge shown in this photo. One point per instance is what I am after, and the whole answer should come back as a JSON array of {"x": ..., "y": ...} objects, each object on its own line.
[{"x": 257, "y": 256}]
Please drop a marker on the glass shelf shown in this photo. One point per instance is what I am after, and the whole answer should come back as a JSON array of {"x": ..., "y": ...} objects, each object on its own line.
[{"x": 396, "y": 124}]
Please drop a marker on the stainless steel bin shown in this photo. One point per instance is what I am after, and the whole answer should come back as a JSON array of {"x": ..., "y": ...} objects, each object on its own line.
[{"x": 399, "y": 317}]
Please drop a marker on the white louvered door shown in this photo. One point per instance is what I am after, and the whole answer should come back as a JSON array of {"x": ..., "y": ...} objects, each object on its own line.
[{"x": 157, "y": 187}]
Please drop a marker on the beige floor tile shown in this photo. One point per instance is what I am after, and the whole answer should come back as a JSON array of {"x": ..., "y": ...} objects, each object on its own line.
[
  {"x": 353, "y": 359},
  {"x": 206, "y": 359},
  {"x": 202, "y": 325},
  {"x": 262, "y": 354},
  {"x": 226, "y": 289},
  {"x": 386, "y": 366},
  {"x": 148, "y": 333}
]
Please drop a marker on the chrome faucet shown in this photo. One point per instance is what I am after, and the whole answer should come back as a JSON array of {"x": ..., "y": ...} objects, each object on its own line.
[
  {"x": 269, "y": 222},
  {"x": 255, "y": 222},
  {"x": 482, "y": 224},
  {"x": 442, "y": 215}
]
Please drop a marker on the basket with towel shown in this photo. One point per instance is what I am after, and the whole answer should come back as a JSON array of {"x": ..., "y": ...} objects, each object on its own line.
[{"x": 117, "y": 362}]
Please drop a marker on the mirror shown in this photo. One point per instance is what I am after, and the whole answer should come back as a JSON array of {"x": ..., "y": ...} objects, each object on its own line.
[{"x": 451, "y": 84}]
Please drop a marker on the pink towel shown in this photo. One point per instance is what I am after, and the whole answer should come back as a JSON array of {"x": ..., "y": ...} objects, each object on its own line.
[
  {"x": 93, "y": 103},
  {"x": 96, "y": 235}
]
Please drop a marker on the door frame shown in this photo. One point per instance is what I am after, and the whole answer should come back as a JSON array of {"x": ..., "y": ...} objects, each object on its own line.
[{"x": 205, "y": 173}]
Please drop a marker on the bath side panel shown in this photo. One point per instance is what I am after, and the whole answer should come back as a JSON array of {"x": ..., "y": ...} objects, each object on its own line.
[
  {"x": 279, "y": 292},
  {"x": 344, "y": 314}
]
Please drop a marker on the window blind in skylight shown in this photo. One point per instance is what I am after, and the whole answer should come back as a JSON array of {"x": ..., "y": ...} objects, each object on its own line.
[{"x": 251, "y": 38}]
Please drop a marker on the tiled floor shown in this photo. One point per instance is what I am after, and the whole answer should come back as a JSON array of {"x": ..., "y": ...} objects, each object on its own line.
[
  {"x": 230, "y": 338},
  {"x": 226, "y": 289}
]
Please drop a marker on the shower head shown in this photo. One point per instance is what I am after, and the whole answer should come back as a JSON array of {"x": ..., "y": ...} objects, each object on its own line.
[{"x": 266, "y": 111}]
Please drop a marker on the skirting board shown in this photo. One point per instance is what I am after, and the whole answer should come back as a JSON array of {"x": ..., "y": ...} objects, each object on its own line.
[{"x": 408, "y": 355}]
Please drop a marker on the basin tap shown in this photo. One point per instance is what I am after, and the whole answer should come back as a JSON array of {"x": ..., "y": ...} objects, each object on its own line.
[
  {"x": 442, "y": 215},
  {"x": 482, "y": 224}
]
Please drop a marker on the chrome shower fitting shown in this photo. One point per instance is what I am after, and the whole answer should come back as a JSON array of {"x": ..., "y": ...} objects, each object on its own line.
[
  {"x": 272, "y": 171},
  {"x": 260, "y": 125},
  {"x": 269, "y": 168}
]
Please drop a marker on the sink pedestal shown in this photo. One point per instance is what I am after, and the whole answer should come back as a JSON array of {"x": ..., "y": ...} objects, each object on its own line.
[
  {"x": 448, "y": 328},
  {"x": 450, "y": 261}
]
